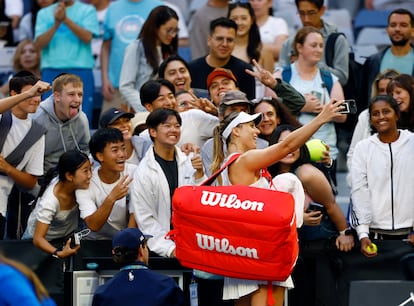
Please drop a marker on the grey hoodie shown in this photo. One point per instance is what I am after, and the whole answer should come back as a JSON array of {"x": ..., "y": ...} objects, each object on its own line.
[{"x": 61, "y": 136}]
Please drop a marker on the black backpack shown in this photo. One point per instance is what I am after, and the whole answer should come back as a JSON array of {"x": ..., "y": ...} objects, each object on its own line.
[
  {"x": 352, "y": 89},
  {"x": 17, "y": 212}
]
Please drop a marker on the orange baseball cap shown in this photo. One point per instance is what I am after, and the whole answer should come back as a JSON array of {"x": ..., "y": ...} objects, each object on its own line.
[{"x": 220, "y": 72}]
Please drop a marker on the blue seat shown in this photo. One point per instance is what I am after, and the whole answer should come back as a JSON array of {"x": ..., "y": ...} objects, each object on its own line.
[
  {"x": 370, "y": 18},
  {"x": 185, "y": 53}
]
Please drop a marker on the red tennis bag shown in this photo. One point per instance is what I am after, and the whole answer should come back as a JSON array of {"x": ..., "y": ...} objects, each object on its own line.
[{"x": 236, "y": 231}]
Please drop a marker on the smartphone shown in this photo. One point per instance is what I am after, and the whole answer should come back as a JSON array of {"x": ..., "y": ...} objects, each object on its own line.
[
  {"x": 316, "y": 207},
  {"x": 349, "y": 107},
  {"x": 317, "y": 94}
]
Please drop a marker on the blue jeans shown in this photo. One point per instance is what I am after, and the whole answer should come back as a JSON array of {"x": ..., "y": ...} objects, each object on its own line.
[{"x": 325, "y": 230}]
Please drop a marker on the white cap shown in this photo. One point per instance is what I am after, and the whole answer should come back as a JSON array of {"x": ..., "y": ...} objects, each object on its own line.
[{"x": 242, "y": 117}]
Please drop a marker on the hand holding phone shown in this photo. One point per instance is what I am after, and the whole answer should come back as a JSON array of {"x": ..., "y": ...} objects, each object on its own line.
[
  {"x": 349, "y": 107},
  {"x": 317, "y": 94}
]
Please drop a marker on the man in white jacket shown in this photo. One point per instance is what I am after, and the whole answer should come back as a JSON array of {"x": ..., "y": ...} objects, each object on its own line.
[{"x": 163, "y": 168}]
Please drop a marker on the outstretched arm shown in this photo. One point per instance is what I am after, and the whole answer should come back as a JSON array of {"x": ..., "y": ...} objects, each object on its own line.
[
  {"x": 96, "y": 220},
  {"x": 39, "y": 88}
]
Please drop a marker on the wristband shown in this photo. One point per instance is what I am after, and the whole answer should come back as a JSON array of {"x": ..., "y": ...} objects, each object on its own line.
[{"x": 55, "y": 254}]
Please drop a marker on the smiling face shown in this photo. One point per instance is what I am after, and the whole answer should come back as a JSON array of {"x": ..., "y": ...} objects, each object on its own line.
[
  {"x": 402, "y": 97},
  {"x": 124, "y": 125},
  {"x": 399, "y": 29},
  {"x": 178, "y": 75},
  {"x": 292, "y": 157},
  {"x": 167, "y": 133},
  {"x": 247, "y": 133},
  {"x": 68, "y": 101},
  {"x": 82, "y": 176},
  {"x": 383, "y": 117},
  {"x": 221, "y": 43},
  {"x": 312, "y": 48},
  {"x": 28, "y": 106},
  {"x": 168, "y": 31},
  {"x": 113, "y": 157},
  {"x": 165, "y": 99},
  {"x": 219, "y": 86},
  {"x": 243, "y": 20},
  {"x": 270, "y": 120}
]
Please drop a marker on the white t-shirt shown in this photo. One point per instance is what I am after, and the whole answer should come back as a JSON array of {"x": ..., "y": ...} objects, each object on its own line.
[
  {"x": 47, "y": 210},
  {"x": 197, "y": 127},
  {"x": 272, "y": 28},
  {"x": 97, "y": 41},
  {"x": 14, "y": 7},
  {"x": 92, "y": 198},
  {"x": 32, "y": 161},
  {"x": 327, "y": 131}
]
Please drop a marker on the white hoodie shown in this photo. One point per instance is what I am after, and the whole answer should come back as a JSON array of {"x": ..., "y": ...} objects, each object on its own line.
[{"x": 382, "y": 184}]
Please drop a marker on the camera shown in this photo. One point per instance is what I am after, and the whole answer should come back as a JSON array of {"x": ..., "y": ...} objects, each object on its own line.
[
  {"x": 349, "y": 107},
  {"x": 76, "y": 237}
]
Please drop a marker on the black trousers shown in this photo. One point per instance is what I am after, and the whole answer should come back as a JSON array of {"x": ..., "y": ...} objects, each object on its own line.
[{"x": 19, "y": 207}]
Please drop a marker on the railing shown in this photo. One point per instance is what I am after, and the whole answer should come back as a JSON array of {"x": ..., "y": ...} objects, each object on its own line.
[{"x": 320, "y": 270}]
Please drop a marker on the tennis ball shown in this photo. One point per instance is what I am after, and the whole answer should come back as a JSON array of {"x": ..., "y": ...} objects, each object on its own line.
[
  {"x": 372, "y": 249},
  {"x": 316, "y": 147}
]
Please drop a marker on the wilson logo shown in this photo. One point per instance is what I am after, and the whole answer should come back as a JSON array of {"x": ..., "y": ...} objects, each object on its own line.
[
  {"x": 210, "y": 243},
  {"x": 229, "y": 201}
]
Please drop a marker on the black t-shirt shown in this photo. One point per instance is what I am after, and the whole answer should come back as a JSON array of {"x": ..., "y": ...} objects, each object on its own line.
[
  {"x": 199, "y": 70},
  {"x": 170, "y": 169}
]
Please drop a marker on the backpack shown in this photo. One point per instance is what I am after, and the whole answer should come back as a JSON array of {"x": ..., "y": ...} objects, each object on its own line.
[
  {"x": 35, "y": 132},
  {"x": 17, "y": 211},
  {"x": 353, "y": 86},
  {"x": 325, "y": 76},
  {"x": 352, "y": 89}
]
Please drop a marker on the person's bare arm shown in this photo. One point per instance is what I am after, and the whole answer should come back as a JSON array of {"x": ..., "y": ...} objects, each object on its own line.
[
  {"x": 107, "y": 88},
  {"x": 83, "y": 34},
  {"x": 21, "y": 178},
  {"x": 43, "y": 40},
  {"x": 96, "y": 220},
  {"x": 38, "y": 89},
  {"x": 39, "y": 240}
]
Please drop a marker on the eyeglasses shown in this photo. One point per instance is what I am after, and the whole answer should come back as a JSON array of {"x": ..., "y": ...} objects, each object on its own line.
[
  {"x": 173, "y": 31},
  {"x": 311, "y": 13},
  {"x": 221, "y": 39}
]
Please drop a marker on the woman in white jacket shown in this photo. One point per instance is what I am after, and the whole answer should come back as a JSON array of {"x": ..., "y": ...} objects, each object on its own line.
[{"x": 382, "y": 164}]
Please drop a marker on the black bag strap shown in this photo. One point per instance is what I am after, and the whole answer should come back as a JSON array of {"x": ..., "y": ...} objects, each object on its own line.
[
  {"x": 35, "y": 132},
  {"x": 5, "y": 125},
  {"x": 211, "y": 179},
  {"x": 330, "y": 47}
]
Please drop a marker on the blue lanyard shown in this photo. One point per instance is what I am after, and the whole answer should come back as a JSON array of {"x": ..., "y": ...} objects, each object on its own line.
[{"x": 134, "y": 267}]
